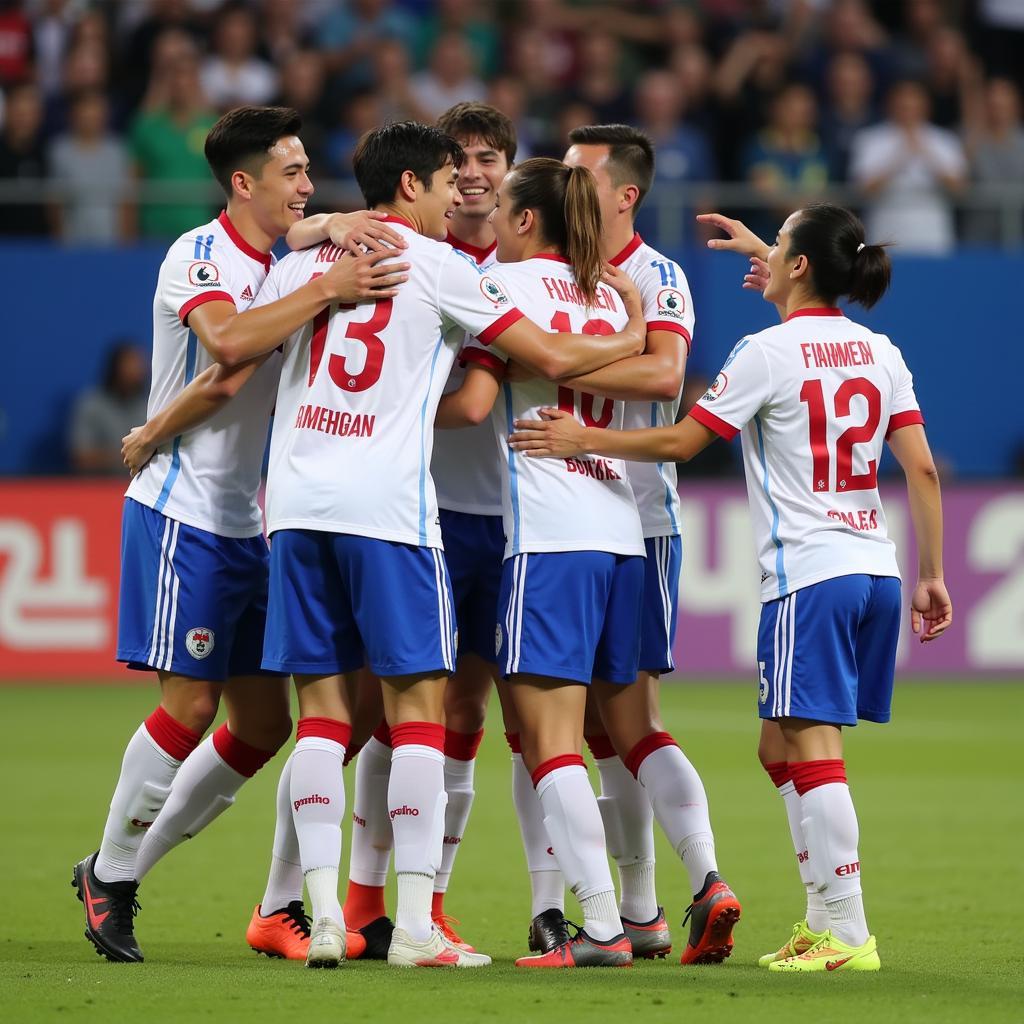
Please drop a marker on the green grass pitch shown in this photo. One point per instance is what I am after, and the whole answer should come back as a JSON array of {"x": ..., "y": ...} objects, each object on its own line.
[{"x": 939, "y": 798}]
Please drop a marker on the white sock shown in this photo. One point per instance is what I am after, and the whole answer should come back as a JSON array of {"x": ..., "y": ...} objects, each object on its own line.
[
  {"x": 318, "y": 806},
  {"x": 574, "y": 823},
  {"x": 817, "y": 915},
  {"x": 547, "y": 884},
  {"x": 284, "y": 881},
  {"x": 204, "y": 788},
  {"x": 416, "y": 803},
  {"x": 846, "y": 920},
  {"x": 681, "y": 807},
  {"x": 371, "y": 824},
  {"x": 458, "y": 784},
  {"x": 629, "y": 830},
  {"x": 147, "y": 771}
]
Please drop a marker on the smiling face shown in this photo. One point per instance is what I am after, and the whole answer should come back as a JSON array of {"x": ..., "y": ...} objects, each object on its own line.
[
  {"x": 509, "y": 229},
  {"x": 281, "y": 186},
  {"x": 436, "y": 206},
  {"x": 480, "y": 177}
]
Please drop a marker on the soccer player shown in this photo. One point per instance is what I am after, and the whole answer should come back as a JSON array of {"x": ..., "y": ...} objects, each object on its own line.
[
  {"x": 194, "y": 563},
  {"x": 351, "y": 510},
  {"x": 814, "y": 398},
  {"x": 573, "y": 571},
  {"x": 467, "y": 478},
  {"x": 644, "y": 774}
]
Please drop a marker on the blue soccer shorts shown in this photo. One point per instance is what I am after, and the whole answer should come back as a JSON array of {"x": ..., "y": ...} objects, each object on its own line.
[
  {"x": 338, "y": 601},
  {"x": 191, "y": 602},
  {"x": 571, "y": 615},
  {"x": 827, "y": 652},
  {"x": 474, "y": 547},
  {"x": 660, "y": 603}
]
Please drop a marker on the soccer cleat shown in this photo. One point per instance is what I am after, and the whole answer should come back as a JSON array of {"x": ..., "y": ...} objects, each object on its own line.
[
  {"x": 444, "y": 924},
  {"x": 282, "y": 935},
  {"x": 326, "y": 944},
  {"x": 548, "y": 930},
  {"x": 110, "y": 909},
  {"x": 799, "y": 942},
  {"x": 583, "y": 951},
  {"x": 712, "y": 915},
  {"x": 649, "y": 940},
  {"x": 435, "y": 951},
  {"x": 829, "y": 954},
  {"x": 372, "y": 941}
]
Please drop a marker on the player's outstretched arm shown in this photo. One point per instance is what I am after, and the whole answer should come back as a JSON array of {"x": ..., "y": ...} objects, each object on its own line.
[
  {"x": 741, "y": 239},
  {"x": 205, "y": 395},
  {"x": 473, "y": 401},
  {"x": 576, "y": 354},
  {"x": 363, "y": 229},
  {"x": 931, "y": 611},
  {"x": 232, "y": 338},
  {"x": 653, "y": 376},
  {"x": 559, "y": 436}
]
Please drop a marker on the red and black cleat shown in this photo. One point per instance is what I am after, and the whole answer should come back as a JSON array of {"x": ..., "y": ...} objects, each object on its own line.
[
  {"x": 110, "y": 909},
  {"x": 583, "y": 951},
  {"x": 713, "y": 914}
]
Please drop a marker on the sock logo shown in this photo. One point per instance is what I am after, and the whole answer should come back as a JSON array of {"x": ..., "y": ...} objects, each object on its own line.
[
  {"x": 452, "y": 840},
  {"x": 361, "y": 822},
  {"x": 848, "y": 869},
  {"x": 316, "y": 798},
  {"x": 140, "y": 824},
  {"x": 413, "y": 812},
  {"x": 802, "y": 857},
  {"x": 551, "y": 851}
]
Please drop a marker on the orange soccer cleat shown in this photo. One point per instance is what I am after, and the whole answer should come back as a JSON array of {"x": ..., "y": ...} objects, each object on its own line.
[
  {"x": 583, "y": 951},
  {"x": 712, "y": 915},
  {"x": 284, "y": 935}
]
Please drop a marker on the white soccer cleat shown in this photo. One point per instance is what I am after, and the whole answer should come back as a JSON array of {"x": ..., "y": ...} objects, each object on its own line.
[
  {"x": 326, "y": 944},
  {"x": 435, "y": 951}
]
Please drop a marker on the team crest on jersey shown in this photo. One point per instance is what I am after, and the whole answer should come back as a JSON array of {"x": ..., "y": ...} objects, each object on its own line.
[
  {"x": 199, "y": 642},
  {"x": 493, "y": 291},
  {"x": 717, "y": 389},
  {"x": 203, "y": 274},
  {"x": 671, "y": 303}
]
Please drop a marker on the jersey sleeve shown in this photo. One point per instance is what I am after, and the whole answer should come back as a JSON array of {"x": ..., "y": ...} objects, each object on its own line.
[
  {"x": 667, "y": 305},
  {"x": 479, "y": 303},
  {"x": 905, "y": 411},
  {"x": 476, "y": 353},
  {"x": 742, "y": 387},
  {"x": 189, "y": 282}
]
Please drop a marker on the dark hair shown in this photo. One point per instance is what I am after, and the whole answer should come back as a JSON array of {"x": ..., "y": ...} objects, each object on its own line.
[
  {"x": 481, "y": 121},
  {"x": 842, "y": 263},
  {"x": 384, "y": 154},
  {"x": 114, "y": 357},
  {"x": 565, "y": 200},
  {"x": 242, "y": 139},
  {"x": 630, "y": 154}
]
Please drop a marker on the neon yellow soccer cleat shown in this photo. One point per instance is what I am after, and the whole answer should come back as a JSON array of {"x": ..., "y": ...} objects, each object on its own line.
[
  {"x": 799, "y": 942},
  {"x": 829, "y": 954}
]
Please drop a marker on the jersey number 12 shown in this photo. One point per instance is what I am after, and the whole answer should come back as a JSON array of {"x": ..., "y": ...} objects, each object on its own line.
[{"x": 817, "y": 415}]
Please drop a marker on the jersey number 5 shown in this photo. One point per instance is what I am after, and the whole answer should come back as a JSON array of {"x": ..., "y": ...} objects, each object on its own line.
[
  {"x": 817, "y": 414},
  {"x": 566, "y": 396}
]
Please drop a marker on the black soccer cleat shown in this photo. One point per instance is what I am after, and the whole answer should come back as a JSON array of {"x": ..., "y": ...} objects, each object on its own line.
[
  {"x": 378, "y": 938},
  {"x": 548, "y": 930},
  {"x": 110, "y": 909}
]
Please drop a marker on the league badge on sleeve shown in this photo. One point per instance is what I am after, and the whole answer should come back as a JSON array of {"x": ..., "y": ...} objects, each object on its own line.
[
  {"x": 671, "y": 303},
  {"x": 199, "y": 642},
  {"x": 203, "y": 274},
  {"x": 494, "y": 292},
  {"x": 717, "y": 389}
]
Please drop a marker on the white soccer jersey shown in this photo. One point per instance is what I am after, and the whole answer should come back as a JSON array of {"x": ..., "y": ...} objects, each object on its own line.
[
  {"x": 210, "y": 476},
  {"x": 465, "y": 466},
  {"x": 578, "y": 504},
  {"x": 667, "y": 307},
  {"x": 354, "y": 426},
  {"x": 814, "y": 397}
]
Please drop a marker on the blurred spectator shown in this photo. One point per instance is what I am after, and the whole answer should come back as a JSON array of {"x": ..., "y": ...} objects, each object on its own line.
[
  {"x": 283, "y": 30},
  {"x": 470, "y": 20},
  {"x": 506, "y": 92},
  {"x": 302, "y": 87},
  {"x": 167, "y": 140},
  {"x": 922, "y": 19},
  {"x": 86, "y": 67},
  {"x": 1001, "y": 37},
  {"x": 352, "y": 32},
  {"x": 693, "y": 70},
  {"x": 849, "y": 28},
  {"x": 16, "y": 47},
  {"x": 364, "y": 111},
  {"x": 572, "y": 115},
  {"x": 909, "y": 169},
  {"x": 533, "y": 61},
  {"x": 393, "y": 85},
  {"x": 995, "y": 146},
  {"x": 51, "y": 36},
  {"x": 786, "y": 157},
  {"x": 598, "y": 81},
  {"x": 22, "y": 156},
  {"x": 848, "y": 109},
  {"x": 103, "y": 415},
  {"x": 450, "y": 78},
  {"x": 95, "y": 169},
  {"x": 953, "y": 77},
  {"x": 233, "y": 75}
]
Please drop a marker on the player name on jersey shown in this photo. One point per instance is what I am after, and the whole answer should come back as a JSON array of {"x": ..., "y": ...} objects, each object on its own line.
[
  {"x": 837, "y": 353},
  {"x": 334, "y": 421}
]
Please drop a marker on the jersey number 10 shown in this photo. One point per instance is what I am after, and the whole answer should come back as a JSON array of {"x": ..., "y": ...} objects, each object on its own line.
[
  {"x": 566, "y": 396},
  {"x": 817, "y": 414}
]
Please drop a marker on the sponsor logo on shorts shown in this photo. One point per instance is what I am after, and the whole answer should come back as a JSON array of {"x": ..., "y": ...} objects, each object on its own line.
[
  {"x": 717, "y": 389},
  {"x": 199, "y": 642},
  {"x": 413, "y": 812},
  {"x": 848, "y": 869},
  {"x": 203, "y": 274},
  {"x": 671, "y": 303},
  {"x": 315, "y": 798},
  {"x": 493, "y": 291}
]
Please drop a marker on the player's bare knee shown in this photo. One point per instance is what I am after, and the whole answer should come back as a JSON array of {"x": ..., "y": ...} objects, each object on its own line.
[
  {"x": 465, "y": 712},
  {"x": 194, "y": 708}
]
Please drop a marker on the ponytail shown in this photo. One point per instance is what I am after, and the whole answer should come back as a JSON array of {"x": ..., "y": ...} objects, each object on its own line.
[
  {"x": 841, "y": 263},
  {"x": 565, "y": 201}
]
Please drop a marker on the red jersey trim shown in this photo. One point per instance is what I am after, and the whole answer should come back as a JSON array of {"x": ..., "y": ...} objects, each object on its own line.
[
  {"x": 634, "y": 243},
  {"x": 555, "y": 257},
  {"x": 815, "y": 311},
  {"x": 502, "y": 324},
  {"x": 471, "y": 250},
  {"x": 667, "y": 325},
  {"x": 392, "y": 219},
  {"x": 904, "y": 419},
  {"x": 712, "y": 422},
  {"x": 240, "y": 243},
  {"x": 482, "y": 358},
  {"x": 198, "y": 300}
]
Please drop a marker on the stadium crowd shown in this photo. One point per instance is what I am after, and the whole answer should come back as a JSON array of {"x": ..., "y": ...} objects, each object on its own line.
[{"x": 908, "y": 103}]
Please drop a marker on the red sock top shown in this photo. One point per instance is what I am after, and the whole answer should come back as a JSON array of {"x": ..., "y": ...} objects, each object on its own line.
[
  {"x": 553, "y": 764},
  {"x": 779, "y": 773},
  {"x": 514, "y": 743},
  {"x": 643, "y": 750},
  {"x": 237, "y": 754},
  {"x": 170, "y": 735},
  {"x": 382, "y": 734},
  {"x": 325, "y": 728},
  {"x": 462, "y": 746},
  {"x": 422, "y": 734},
  {"x": 808, "y": 775},
  {"x": 600, "y": 746}
]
